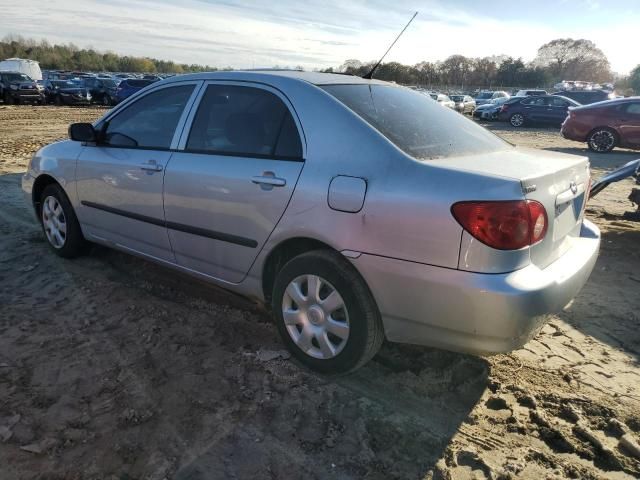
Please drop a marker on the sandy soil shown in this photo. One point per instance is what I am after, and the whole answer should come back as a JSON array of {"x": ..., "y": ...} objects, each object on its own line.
[{"x": 111, "y": 367}]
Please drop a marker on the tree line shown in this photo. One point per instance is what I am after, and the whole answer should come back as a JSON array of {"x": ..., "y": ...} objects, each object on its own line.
[
  {"x": 561, "y": 59},
  {"x": 71, "y": 57}
]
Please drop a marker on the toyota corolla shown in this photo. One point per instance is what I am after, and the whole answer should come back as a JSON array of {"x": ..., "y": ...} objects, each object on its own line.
[{"x": 356, "y": 209}]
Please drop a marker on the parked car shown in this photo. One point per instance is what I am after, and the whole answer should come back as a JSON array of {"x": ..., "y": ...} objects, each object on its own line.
[
  {"x": 585, "y": 97},
  {"x": 530, "y": 93},
  {"x": 129, "y": 86},
  {"x": 463, "y": 103},
  {"x": 486, "y": 96},
  {"x": 16, "y": 87},
  {"x": 66, "y": 92},
  {"x": 489, "y": 111},
  {"x": 443, "y": 100},
  {"x": 551, "y": 109},
  {"x": 30, "y": 68},
  {"x": 605, "y": 125},
  {"x": 357, "y": 209},
  {"x": 103, "y": 90}
]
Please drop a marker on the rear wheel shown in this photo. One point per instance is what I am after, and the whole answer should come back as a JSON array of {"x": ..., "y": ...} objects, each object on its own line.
[
  {"x": 8, "y": 99},
  {"x": 602, "y": 140},
  {"x": 59, "y": 223},
  {"x": 516, "y": 120},
  {"x": 106, "y": 101},
  {"x": 325, "y": 313},
  {"x": 57, "y": 100}
]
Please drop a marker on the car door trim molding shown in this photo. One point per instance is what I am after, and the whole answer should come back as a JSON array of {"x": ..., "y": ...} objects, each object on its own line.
[{"x": 201, "y": 232}]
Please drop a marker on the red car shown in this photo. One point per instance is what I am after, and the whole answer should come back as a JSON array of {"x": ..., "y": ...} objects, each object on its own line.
[{"x": 605, "y": 125}]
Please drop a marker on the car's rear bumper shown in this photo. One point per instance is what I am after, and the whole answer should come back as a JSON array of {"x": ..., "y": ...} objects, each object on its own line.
[{"x": 475, "y": 312}]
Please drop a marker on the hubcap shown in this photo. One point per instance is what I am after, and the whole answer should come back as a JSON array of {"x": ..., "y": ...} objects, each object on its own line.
[
  {"x": 315, "y": 316},
  {"x": 602, "y": 140},
  {"x": 517, "y": 120},
  {"x": 54, "y": 222}
]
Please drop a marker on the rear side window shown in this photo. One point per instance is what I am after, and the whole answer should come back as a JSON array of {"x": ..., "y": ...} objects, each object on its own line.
[
  {"x": 414, "y": 123},
  {"x": 633, "y": 109},
  {"x": 535, "y": 101},
  {"x": 244, "y": 121},
  {"x": 149, "y": 122}
]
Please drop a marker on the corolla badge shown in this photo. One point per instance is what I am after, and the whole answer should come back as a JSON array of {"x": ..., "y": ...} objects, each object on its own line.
[{"x": 573, "y": 187}]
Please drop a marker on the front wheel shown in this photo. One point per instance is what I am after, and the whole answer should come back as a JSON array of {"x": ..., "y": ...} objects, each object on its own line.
[
  {"x": 106, "y": 101},
  {"x": 325, "y": 313},
  {"x": 602, "y": 140},
  {"x": 516, "y": 120},
  {"x": 59, "y": 223}
]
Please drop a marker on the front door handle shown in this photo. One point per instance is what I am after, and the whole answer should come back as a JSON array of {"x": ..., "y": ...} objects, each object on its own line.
[
  {"x": 151, "y": 166},
  {"x": 268, "y": 180}
]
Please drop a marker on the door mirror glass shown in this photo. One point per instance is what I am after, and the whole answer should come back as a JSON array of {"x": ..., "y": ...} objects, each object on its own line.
[{"x": 82, "y": 132}]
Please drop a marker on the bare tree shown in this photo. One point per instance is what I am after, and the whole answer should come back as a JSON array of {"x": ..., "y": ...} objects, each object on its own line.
[{"x": 566, "y": 58}]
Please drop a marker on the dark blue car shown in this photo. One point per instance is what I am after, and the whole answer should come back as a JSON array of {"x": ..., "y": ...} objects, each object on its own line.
[
  {"x": 538, "y": 109},
  {"x": 129, "y": 86}
]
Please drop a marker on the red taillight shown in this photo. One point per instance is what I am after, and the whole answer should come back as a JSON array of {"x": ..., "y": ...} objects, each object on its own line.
[
  {"x": 508, "y": 225},
  {"x": 504, "y": 108}
]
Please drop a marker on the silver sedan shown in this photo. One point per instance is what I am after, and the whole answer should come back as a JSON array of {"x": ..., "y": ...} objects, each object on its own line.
[{"x": 358, "y": 210}]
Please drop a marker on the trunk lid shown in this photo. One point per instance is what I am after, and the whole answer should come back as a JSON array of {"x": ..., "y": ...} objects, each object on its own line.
[{"x": 558, "y": 181}]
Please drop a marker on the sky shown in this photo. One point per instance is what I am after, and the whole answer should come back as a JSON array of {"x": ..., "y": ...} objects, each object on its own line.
[{"x": 319, "y": 34}]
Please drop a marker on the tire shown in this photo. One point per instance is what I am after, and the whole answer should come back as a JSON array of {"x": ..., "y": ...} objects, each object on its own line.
[
  {"x": 56, "y": 213},
  {"x": 602, "y": 140},
  {"x": 57, "y": 100},
  {"x": 516, "y": 120},
  {"x": 326, "y": 349},
  {"x": 8, "y": 99},
  {"x": 106, "y": 101}
]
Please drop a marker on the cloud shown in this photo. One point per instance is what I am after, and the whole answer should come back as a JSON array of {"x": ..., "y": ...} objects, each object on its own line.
[{"x": 254, "y": 33}]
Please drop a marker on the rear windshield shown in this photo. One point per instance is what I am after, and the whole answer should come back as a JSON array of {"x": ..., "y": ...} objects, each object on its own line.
[
  {"x": 484, "y": 95},
  {"x": 417, "y": 125},
  {"x": 457, "y": 98}
]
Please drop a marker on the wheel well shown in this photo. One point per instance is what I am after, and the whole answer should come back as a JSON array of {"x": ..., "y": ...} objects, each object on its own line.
[
  {"x": 42, "y": 182},
  {"x": 280, "y": 255}
]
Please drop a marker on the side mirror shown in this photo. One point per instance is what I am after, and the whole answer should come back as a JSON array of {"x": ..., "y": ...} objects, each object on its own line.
[{"x": 82, "y": 132}]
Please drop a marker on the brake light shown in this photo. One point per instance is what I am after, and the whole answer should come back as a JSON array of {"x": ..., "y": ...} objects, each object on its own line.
[
  {"x": 504, "y": 108},
  {"x": 504, "y": 225}
]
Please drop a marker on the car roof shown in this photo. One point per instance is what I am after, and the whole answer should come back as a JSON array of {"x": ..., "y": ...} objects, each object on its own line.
[{"x": 315, "y": 78}]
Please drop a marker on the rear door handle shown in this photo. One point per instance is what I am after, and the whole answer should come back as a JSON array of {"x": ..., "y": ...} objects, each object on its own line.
[
  {"x": 268, "y": 180},
  {"x": 151, "y": 166}
]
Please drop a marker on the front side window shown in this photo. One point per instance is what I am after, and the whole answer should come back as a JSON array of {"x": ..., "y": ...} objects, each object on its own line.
[
  {"x": 559, "y": 102},
  {"x": 244, "y": 121},
  {"x": 149, "y": 122},
  {"x": 414, "y": 123}
]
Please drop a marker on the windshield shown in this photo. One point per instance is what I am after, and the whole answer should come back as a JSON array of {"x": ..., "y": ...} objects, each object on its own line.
[
  {"x": 415, "y": 124},
  {"x": 457, "y": 98},
  {"x": 484, "y": 95},
  {"x": 108, "y": 83},
  {"x": 64, "y": 84},
  {"x": 17, "y": 77}
]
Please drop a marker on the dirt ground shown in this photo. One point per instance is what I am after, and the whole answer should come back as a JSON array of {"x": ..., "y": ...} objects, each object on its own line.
[{"x": 115, "y": 368}]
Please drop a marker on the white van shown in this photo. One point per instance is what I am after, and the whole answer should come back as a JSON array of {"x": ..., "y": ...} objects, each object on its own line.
[{"x": 28, "y": 67}]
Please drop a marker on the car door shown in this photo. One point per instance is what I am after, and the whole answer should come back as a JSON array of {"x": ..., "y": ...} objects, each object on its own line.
[
  {"x": 241, "y": 156},
  {"x": 120, "y": 179},
  {"x": 534, "y": 108},
  {"x": 558, "y": 108},
  {"x": 629, "y": 124}
]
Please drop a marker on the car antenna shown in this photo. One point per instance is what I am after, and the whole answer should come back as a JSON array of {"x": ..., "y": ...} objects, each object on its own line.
[{"x": 369, "y": 75}]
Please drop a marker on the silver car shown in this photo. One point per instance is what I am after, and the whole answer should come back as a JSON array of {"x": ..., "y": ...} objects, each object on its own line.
[{"x": 358, "y": 210}]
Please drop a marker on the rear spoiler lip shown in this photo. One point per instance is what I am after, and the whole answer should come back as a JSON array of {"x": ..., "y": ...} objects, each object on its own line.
[{"x": 627, "y": 170}]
